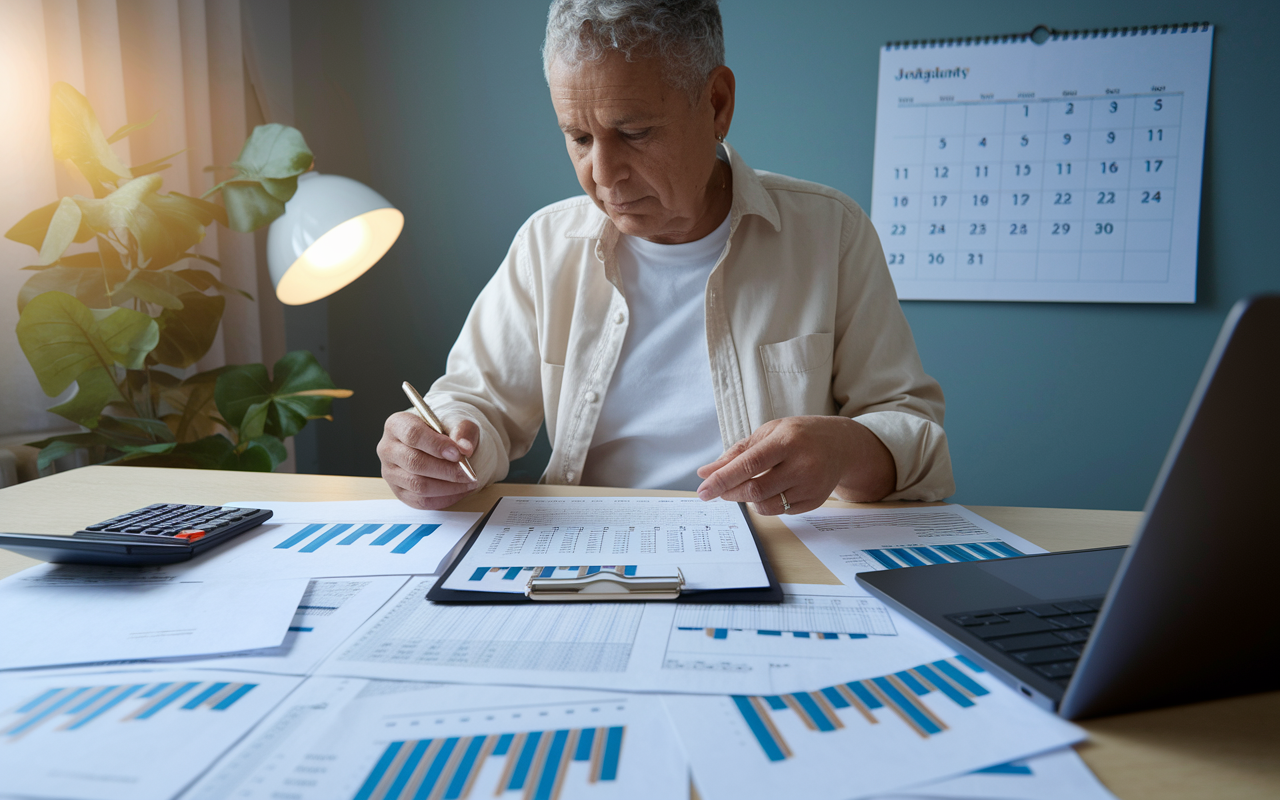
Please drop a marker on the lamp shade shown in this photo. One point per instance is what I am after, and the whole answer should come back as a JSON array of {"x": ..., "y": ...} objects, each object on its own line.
[{"x": 332, "y": 230}]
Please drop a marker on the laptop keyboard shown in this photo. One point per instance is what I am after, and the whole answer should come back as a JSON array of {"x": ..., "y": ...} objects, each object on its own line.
[{"x": 1048, "y": 637}]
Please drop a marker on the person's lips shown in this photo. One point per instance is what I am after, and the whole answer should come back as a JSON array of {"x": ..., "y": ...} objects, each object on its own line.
[{"x": 623, "y": 207}]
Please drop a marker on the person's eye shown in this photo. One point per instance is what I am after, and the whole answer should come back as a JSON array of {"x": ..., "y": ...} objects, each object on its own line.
[
  {"x": 582, "y": 141},
  {"x": 635, "y": 136}
]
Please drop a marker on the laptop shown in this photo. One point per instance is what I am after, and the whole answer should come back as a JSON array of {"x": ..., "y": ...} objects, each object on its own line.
[{"x": 1178, "y": 616}]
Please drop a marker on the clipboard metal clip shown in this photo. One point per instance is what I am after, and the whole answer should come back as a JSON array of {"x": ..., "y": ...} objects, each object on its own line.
[{"x": 606, "y": 586}]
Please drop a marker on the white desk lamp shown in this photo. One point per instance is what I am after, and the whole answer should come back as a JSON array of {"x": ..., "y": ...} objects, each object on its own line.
[{"x": 332, "y": 230}]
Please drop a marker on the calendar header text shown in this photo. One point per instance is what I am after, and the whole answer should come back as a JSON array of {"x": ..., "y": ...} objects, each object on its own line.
[{"x": 927, "y": 75}]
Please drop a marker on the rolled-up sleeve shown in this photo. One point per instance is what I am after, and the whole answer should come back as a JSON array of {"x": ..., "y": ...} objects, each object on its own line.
[
  {"x": 877, "y": 378},
  {"x": 492, "y": 375}
]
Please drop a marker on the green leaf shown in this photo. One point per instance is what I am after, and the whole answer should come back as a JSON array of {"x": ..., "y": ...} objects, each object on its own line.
[
  {"x": 211, "y": 452},
  {"x": 249, "y": 206},
  {"x": 62, "y": 231},
  {"x": 62, "y": 338},
  {"x": 123, "y": 212},
  {"x": 86, "y": 285},
  {"x": 202, "y": 280},
  {"x": 132, "y": 453},
  {"x": 95, "y": 389},
  {"x": 262, "y": 454},
  {"x": 132, "y": 127},
  {"x": 193, "y": 399},
  {"x": 243, "y": 390},
  {"x": 32, "y": 229},
  {"x": 188, "y": 333},
  {"x": 150, "y": 428},
  {"x": 56, "y": 447},
  {"x": 266, "y": 176},
  {"x": 282, "y": 189},
  {"x": 54, "y": 451},
  {"x": 78, "y": 137},
  {"x": 160, "y": 288},
  {"x": 158, "y": 165},
  {"x": 273, "y": 151}
]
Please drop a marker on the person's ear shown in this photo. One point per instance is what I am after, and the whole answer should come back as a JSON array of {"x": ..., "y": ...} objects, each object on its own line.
[{"x": 720, "y": 89}]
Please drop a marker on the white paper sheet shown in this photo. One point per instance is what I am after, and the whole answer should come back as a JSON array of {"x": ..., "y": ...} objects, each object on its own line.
[
  {"x": 125, "y": 735},
  {"x": 395, "y": 741},
  {"x": 1060, "y": 775},
  {"x": 710, "y": 543},
  {"x": 67, "y": 614},
  {"x": 330, "y": 611},
  {"x": 339, "y": 539},
  {"x": 862, "y": 737},
  {"x": 848, "y": 541},
  {"x": 820, "y": 632}
]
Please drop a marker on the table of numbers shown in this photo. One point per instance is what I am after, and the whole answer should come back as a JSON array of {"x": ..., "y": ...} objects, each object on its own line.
[{"x": 1053, "y": 193}]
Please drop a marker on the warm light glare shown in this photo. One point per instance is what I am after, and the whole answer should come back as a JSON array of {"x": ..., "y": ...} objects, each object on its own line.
[
  {"x": 340, "y": 256},
  {"x": 344, "y": 245}
]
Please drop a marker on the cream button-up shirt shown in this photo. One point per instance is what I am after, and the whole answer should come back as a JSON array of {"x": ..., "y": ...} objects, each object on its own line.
[{"x": 801, "y": 318}]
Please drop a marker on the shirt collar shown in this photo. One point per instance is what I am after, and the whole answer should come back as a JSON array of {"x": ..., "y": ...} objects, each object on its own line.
[{"x": 749, "y": 197}]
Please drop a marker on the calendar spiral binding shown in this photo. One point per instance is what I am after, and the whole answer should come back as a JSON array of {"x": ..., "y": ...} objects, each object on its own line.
[{"x": 1053, "y": 35}]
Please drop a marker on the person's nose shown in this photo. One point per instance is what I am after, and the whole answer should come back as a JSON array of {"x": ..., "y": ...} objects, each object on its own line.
[{"x": 609, "y": 165}]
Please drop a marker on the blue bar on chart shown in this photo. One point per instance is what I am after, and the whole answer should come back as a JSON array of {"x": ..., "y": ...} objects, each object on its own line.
[
  {"x": 81, "y": 705},
  {"x": 537, "y": 763},
  {"x": 920, "y": 555},
  {"x": 723, "y": 633},
  {"x": 899, "y": 694},
  {"x": 364, "y": 534},
  {"x": 506, "y": 573}
]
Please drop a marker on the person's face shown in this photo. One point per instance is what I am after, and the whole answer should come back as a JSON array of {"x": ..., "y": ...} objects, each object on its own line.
[{"x": 642, "y": 151}]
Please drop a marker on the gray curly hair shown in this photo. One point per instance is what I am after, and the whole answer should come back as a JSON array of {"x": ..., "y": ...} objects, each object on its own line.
[{"x": 686, "y": 34}]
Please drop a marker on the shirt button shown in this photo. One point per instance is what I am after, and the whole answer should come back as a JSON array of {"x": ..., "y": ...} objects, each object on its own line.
[
  {"x": 569, "y": 476},
  {"x": 620, "y": 318},
  {"x": 591, "y": 397}
]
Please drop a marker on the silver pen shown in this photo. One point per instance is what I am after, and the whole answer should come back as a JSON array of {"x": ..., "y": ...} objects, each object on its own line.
[{"x": 429, "y": 417}]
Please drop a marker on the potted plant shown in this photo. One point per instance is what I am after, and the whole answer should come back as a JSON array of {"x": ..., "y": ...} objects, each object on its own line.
[{"x": 127, "y": 317}]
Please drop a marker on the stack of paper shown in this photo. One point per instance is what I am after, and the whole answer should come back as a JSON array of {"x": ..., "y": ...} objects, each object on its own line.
[{"x": 305, "y": 661}]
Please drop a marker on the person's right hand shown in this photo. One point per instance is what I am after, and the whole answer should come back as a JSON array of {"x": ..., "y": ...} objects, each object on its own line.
[{"x": 421, "y": 466}]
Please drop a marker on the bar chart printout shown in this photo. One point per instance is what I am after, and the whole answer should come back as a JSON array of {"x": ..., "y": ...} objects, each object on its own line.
[
  {"x": 403, "y": 741},
  {"x": 535, "y": 763},
  {"x": 399, "y": 539},
  {"x": 306, "y": 543},
  {"x": 849, "y": 541},
  {"x": 110, "y": 729},
  {"x": 933, "y": 720}
]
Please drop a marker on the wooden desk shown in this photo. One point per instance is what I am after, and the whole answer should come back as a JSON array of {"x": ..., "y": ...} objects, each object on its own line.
[{"x": 1221, "y": 749}]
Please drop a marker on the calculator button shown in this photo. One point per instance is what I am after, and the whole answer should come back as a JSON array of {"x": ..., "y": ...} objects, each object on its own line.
[{"x": 190, "y": 535}]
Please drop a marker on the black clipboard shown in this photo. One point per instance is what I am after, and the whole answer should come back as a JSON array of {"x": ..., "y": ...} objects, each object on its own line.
[{"x": 763, "y": 594}]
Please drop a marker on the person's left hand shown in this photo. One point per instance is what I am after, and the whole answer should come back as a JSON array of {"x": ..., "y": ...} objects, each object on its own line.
[{"x": 806, "y": 458}]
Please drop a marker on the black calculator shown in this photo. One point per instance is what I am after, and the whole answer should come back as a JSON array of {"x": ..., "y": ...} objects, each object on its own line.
[{"x": 163, "y": 533}]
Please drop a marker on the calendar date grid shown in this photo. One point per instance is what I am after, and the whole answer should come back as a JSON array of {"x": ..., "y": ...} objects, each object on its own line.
[{"x": 1077, "y": 188}]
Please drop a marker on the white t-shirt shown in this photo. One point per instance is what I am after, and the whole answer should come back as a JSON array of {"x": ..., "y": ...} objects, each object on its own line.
[{"x": 658, "y": 423}]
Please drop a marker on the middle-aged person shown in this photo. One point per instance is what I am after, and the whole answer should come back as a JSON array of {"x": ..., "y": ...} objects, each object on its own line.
[{"x": 689, "y": 323}]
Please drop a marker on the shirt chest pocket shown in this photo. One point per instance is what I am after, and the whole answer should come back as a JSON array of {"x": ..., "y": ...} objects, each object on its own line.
[{"x": 798, "y": 375}]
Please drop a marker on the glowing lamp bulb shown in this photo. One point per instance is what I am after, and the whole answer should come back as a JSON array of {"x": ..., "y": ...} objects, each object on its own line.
[{"x": 332, "y": 231}]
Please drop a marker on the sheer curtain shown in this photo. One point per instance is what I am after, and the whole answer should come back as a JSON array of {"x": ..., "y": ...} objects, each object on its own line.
[{"x": 184, "y": 60}]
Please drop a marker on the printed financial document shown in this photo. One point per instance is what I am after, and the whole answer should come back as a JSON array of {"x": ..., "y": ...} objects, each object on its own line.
[
  {"x": 125, "y": 735},
  {"x": 72, "y": 614},
  {"x": 709, "y": 542},
  {"x": 852, "y": 540},
  {"x": 345, "y": 738},
  {"x": 817, "y": 634},
  {"x": 923, "y": 722}
]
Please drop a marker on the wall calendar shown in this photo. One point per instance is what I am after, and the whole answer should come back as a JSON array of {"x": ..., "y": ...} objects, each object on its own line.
[{"x": 1067, "y": 170}]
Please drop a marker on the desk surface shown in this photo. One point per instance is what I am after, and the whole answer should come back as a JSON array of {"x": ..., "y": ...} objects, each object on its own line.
[{"x": 1221, "y": 749}]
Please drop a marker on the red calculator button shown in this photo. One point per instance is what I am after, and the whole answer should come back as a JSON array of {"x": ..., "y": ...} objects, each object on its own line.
[{"x": 190, "y": 536}]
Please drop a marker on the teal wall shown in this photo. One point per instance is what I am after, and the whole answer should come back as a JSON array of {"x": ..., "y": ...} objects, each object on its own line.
[{"x": 441, "y": 106}]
